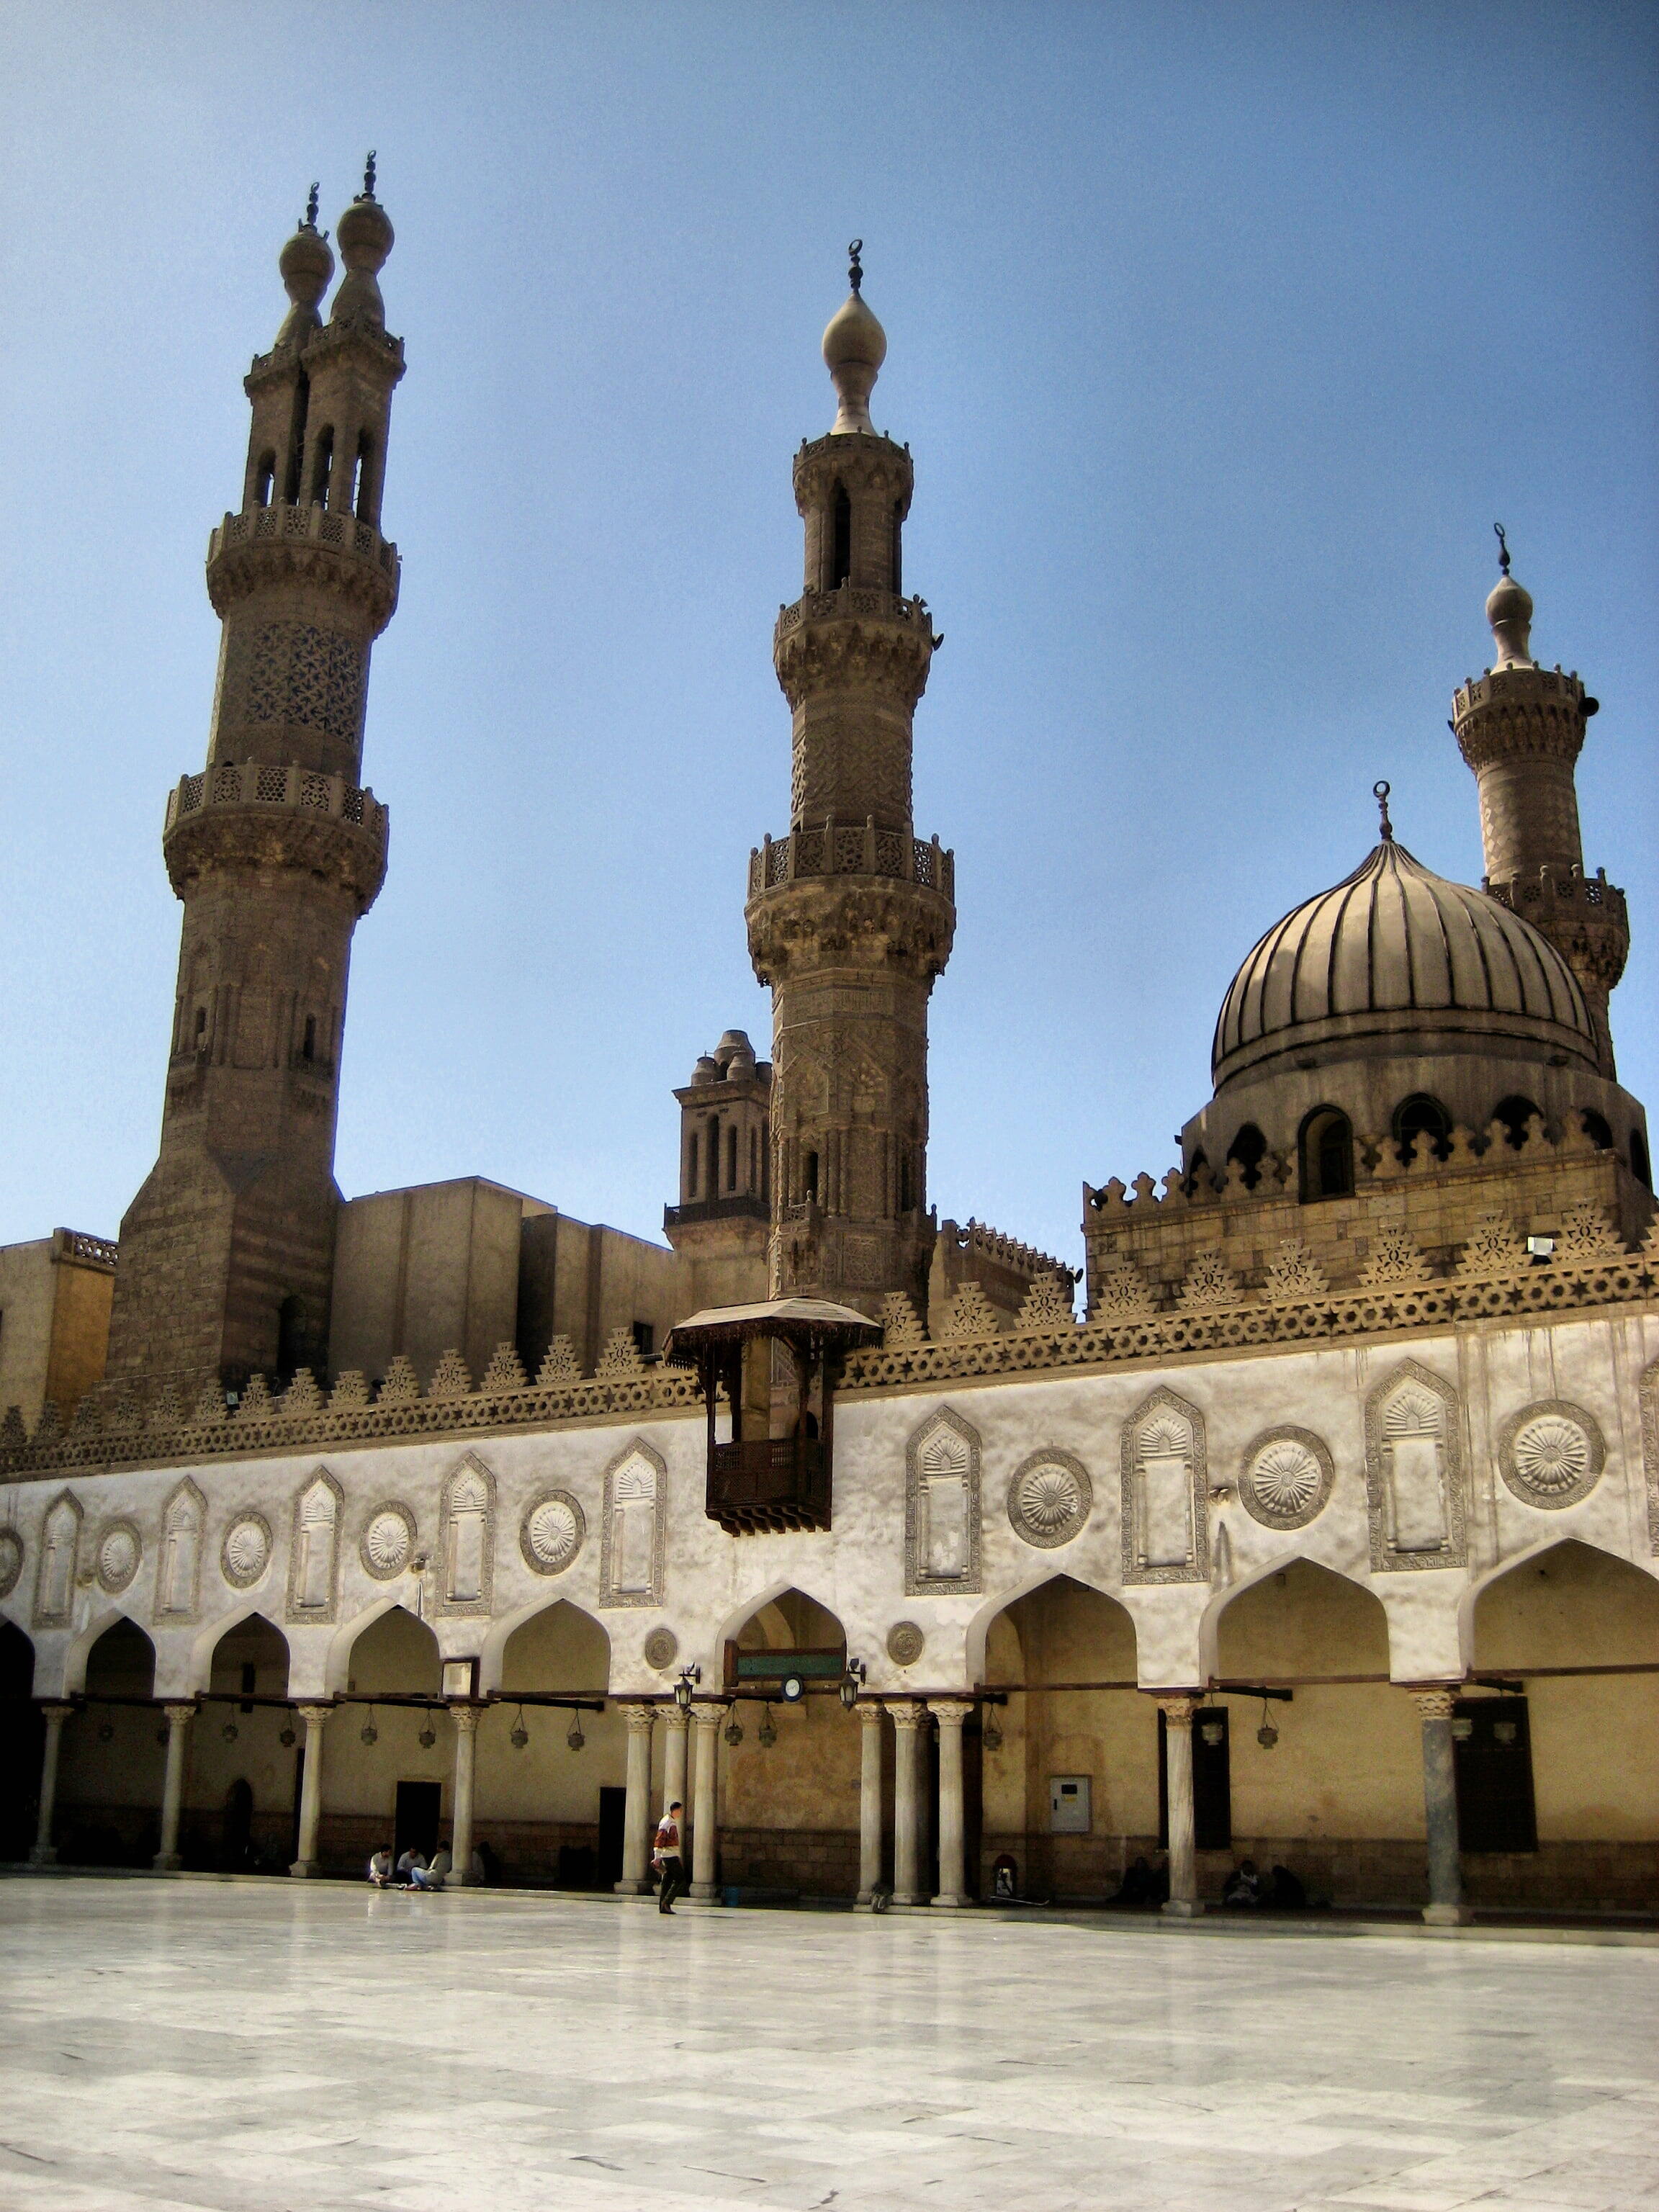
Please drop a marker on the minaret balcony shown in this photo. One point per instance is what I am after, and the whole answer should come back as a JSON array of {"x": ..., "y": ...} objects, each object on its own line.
[
  {"x": 268, "y": 814},
  {"x": 855, "y": 636},
  {"x": 851, "y": 848},
  {"x": 249, "y": 549},
  {"x": 854, "y": 602}
]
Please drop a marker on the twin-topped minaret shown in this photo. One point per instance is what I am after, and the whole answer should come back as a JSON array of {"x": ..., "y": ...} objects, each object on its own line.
[
  {"x": 276, "y": 849},
  {"x": 851, "y": 916},
  {"x": 1521, "y": 727}
]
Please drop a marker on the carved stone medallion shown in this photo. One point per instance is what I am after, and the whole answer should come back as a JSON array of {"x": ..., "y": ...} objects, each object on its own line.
[
  {"x": 661, "y": 1649},
  {"x": 246, "y": 1552},
  {"x": 11, "y": 1561},
  {"x": 1286, "y": 1478},
  {"x": 388, "y": 1541},
  {"x": 905, "y": 1643},
  {"x": 1049, "y": 1498},
  {"x": 1550, "y": 1454},
  {"x": 551, "y": 1532},
  {"x": 119, "y": 1550}
]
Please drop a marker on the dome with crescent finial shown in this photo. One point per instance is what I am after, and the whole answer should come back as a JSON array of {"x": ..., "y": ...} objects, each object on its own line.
[
  {"x": 1394, "y": 952},
  {"x": 855, "y": 348}
]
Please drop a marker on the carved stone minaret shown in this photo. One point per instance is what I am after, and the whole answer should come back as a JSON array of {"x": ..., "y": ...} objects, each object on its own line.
[
  {"x": 226, "y": 1254},
  {"x": 1520, "y": 727},
  {"x": 851, "y": 916}
]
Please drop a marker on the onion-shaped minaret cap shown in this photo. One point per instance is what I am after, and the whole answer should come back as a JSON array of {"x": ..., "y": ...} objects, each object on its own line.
[
  {"x": 1509, "y": 610},
  {"x": 306, "y": 265},
  {"x": 366, "y": 238},
  {"x": 855, "y": 348}
]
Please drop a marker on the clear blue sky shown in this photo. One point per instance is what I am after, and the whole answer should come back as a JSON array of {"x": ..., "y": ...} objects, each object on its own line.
[{"x": 1221, "y": 335}]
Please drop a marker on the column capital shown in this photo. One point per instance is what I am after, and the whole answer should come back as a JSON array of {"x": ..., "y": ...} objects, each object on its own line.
[
  {"x": 677, "y": 1717},
  {"x": 315, "y": 1717},
  {"x": 642, "y": 1719},
  {"x": 178, "y": 1715},
  {"x": 466, "y": 1715},
  {"x": 907, "y": 1712},
  {"x": 869, "y": 1711},
  {"x": 1178, "y": 1706},
  {"x": 950, "y": 1712},
  {"x": 57, "y": 1710},
  {"x": 1436, "y": 1705},
  {"x": 708, "y": 1717}
]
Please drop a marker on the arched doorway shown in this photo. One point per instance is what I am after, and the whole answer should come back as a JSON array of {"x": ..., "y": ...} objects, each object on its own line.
[
  {"x": 22, "y": 1740},
  {"x": 113, "y": 1757},
  {"x": 789, "y": 1799},
  {"x": 1557, "y": 1770},
  {"x": 239, "y": 1807},
  {"x": 390, "y": 1749},
  {"x": 1071, "y": 1772},
  {"x": 552, "y": 1778},
  {"x": 1329, "y": 1784}
]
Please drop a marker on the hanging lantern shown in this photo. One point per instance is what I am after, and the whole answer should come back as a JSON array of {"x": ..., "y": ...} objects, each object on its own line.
[
  {"x": 734, "y": 1730},
  {"x": 1213, "y": 1730},
  {"x": 286, "y": 1739},
  {"x": 229, "y": 1731},
  {"x": 1266, "y": 1735},
  {"x": 689, "y": 1677},
  {"x": 369, "y": 1732},
  {"x": 427, "y": 1737},
  {"x": 521, "y": 1735},
  {"x": 161, "y": 1735},
  {"x": 107, "y": 1733},
  {"x": 575, "y": 1739},
  {"x": 992, "y": 1736},
  {"x": 766, "y": 1734}
]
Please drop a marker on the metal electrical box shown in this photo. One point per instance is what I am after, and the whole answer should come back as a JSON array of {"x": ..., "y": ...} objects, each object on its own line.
[{"x": 1069, "y": 1810}]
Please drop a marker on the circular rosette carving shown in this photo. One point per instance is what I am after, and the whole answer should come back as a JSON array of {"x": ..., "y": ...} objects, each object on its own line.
[
  {"x": 11, "y": 1561},
  {"x": 388, "y": 1541},
  {"x": 551, "y": 1534},
  {"x": 1049, "y": 1498},
  {"x": 905, "y": 1643},
  {"x": 1550, "y": 1454},
  {"x": 1286, "y": 1478},
  {"x": 119, "y": 1550},
  {"x": 246, "y": 1552},
  {"x": 661, "y": 1649}
]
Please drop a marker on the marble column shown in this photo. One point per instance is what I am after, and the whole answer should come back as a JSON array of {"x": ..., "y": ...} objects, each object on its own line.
[
  {"x": 1182, "y": 1903},
  {"x": 673, "y": 1766},
  {"x": 907, "y": 1801},
  {"x": 311, "y": 1788},
  {"x": 705, "y": 1818},
  {"x": 172, "y": 1788},
  {"x": 636, "y": 1817},
  {"x": 1445, "y": 1908},
  {"x": 44, "y": 1852},
  {"x": 951, "y": 1713},
  {"x": 869, "y": 1798},
  {"x": 465, "y": 1717}
]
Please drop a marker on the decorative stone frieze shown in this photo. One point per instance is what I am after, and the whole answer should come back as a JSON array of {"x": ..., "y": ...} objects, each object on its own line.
[
  {"x": 314, "y": 1550},
  {"x": 1550, "y": 1454},
  {"x": 1049, "y": 1498},
  {"x": 632, "y": 1541},
  {"x": 179, "y": 1568},
  {"x": 942, "y": 1507},
  {"x": 1285, "y": 1479},
  {"x": 1165, "y": 1493},
  {"x": 466, "y": 1540},
  {"x": 1649, "y": 1396},
  {"x": 1414, "y": 1484},
  {"x": 551, "y": 1533}
]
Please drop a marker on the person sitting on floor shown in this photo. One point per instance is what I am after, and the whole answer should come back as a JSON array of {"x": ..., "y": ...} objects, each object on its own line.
[
  {"x": 1140, "y": 1886},
  {"x": 379, "y": 1869},
  {"x": 1243, "y": 1889},
  {"x": 407, "y": 1864},
  {"x": 432, "y": 1877},
  {"x": 1288, "y": 1893}
]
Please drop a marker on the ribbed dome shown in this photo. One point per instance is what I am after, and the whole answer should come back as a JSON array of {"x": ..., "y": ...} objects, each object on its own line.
[{"x": 1395, "y": 952}]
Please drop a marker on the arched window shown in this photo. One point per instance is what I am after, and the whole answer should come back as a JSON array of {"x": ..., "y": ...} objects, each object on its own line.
[
  {"x": 841, "y": 564},
  {"x": 812, "y": 1177},
  {"x": 201, "y": 1029},
  {"x": 1421, "y": 1120},
  {"x": 754, "y": 1158},
  {"x": 1514, "y": 1112},
  {"x": 363, "y": 494},
  {"x": 264, "y": 478},
  {"x": 712, "y": 1179},
  {"x": 898, "y": 546},
  {"x": 322, "y": 467},
  {"x": 1639, "y": 1159},
  {"x": 1327, "y": 1155},
  {"x": 732, "y": 1156},
  {"x": 691, "y": 1166},
  {"x": 1597, "y": 1129},
  {"x": 290, "y": 1338},
  {"x": 1246, "y": 1152},
  {"x": 308, "y": 1049}
]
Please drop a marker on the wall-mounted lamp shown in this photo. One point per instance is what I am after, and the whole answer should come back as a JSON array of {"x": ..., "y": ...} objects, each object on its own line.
[
  {"x": 852, "y": 1682},
  {"x": 689, "y": 1677}
]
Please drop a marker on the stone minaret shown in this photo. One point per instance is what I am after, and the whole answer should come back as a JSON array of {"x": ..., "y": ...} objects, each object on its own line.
[
  {"x": 1520, "y": 727},
  {"x": 276, "y": 849},
  {"x": 851, "y": 916}
]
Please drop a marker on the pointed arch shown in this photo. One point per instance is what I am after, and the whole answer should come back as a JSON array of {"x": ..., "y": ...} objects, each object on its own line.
[
  {"x": 77, "y": 1659},
  {"x": 558, "y": 1646},
  {"x": 492, "y": 1656},
  {"x": 1312, "y": 1612},
  {"x": 1518, "y": 1563},
  {"x": 343, "y": 1645},
  {"x": 978, "y": 1633},
  {"x": 199, "y": 1671}
]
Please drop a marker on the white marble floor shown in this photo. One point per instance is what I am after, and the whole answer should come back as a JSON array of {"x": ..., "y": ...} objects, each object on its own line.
[{"x": 309, "y": 2048}]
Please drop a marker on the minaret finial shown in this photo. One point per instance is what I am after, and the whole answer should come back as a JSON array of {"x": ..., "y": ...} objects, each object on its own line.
[
  {"x": 1503, "y": 548},
  {"x": 368, "y": 192},
  {"x": 310, "y": 223},
  {"x": 854, "y": 347},
  {"x": 1380, "y": 793},
  {"x": 1509, "y": 610},
  {"x": 855, "y": 265}
]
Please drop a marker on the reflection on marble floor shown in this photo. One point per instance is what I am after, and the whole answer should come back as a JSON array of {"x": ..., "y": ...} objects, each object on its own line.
[{"x": 301, "y": 2048}]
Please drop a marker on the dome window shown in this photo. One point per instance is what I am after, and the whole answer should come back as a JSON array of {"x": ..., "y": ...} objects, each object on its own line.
[
  {"x": 1514, "y": 1112},
  {"x": 1421, "y": 1121},
  {"x": 1246, "y": 1152},
  {"x": 1597, "y": 1129},
  {"x": 1327, "y": 1150}
]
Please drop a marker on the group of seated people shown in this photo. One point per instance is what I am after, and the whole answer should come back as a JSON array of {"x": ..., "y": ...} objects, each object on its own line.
[
  {"x": 1245, "y": 1890},
  {"x": 414, "y": 1869}
]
